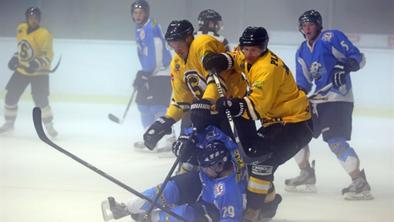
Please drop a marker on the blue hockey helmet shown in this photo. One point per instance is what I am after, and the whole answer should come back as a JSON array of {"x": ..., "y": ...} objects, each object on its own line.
[{"x": 212, "y": 153}]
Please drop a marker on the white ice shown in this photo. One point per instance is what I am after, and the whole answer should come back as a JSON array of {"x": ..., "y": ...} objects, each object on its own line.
[{"x": 38, "y": 183}]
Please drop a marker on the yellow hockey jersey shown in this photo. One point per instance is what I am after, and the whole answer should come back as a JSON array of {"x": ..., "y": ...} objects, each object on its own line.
[
  {"x": 274, "y": 96},
  {"x": 36, "y": 45},
  {"x": 190, "y": 79}
]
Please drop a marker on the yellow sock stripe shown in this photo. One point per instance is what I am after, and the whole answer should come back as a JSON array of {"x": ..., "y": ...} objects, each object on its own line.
[{"x": 256, "y": 185}]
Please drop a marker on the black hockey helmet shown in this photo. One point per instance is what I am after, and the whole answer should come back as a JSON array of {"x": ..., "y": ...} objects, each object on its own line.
[
  {"x": 310, "y": 16},
  {"x": 254, "y": 36},
  {"x": 33, "y": 11},
  {"x": 179, "y": 30},
  {"x": 140, "y": 4},
  {"x": 213, "y": 152},
  {"x": 208, "y": 15}
]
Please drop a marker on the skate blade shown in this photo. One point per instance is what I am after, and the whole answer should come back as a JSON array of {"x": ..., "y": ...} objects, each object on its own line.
[
  {"x": 106, "y": 211},
  {"x": 306, "y": 188},
  {"x": 365, "y": 195}
]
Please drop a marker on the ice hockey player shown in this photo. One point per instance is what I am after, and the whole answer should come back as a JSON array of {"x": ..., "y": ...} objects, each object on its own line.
[
  {"x": 189, "y": 80},
  {"x": 152, "y": 82},
  {"x": 275, "y": 100},
  {"x": 327, "y": 57},
  {"x": 210, "y": 23},
  {"x": 31, "y": 65},
  {"x": 215, "y": 193}
]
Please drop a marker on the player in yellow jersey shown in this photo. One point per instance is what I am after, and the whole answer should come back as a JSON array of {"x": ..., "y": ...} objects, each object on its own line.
[
  {"x": 190, "y": 81},
  {"x": 31, "y": 65},
  {"x": 274, "y": 99}
]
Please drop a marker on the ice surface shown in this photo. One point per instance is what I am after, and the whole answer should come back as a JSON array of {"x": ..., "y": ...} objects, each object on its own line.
[{"x": 38, "y": 183}]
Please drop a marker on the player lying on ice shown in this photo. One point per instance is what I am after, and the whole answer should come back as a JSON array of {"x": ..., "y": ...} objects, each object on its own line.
[{"x": 214, "y": 193}]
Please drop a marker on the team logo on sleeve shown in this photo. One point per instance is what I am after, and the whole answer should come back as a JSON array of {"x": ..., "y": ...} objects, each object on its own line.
[
  {"x": 219, "y": 189},
  {"x": 327, "y": 36}
]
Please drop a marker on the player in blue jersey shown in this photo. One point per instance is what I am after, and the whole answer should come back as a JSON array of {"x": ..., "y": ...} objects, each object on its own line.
[
  {"x": 215, "y": 193},
  {"x": 152, "y": 81},
  {"x": 326, "y": 59}
]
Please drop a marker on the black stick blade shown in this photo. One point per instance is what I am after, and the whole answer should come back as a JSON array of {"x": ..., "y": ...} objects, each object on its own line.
[
  {"x": 113, "y": 118},
  {"x": 37, "y": 119}
]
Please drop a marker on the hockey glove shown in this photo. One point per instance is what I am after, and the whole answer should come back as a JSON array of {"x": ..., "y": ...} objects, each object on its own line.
[
  {"x": 184, "y": 147},
  {"x": 141, "y": 80},
  {"x": 157, "y": 130},
  {"x": 217, "y": 62},
  {"x": 33, "y": 66},
  {"x": 200, "y": 114},
  {"x": 339, "y": 75},
  {"x": 235, "y": 106},
  {"x": 13, "y": 63}
]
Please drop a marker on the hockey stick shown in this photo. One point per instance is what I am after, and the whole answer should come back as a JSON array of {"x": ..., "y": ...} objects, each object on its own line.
[
  {"x": 57, "y": 65},
  {"x": 115, "y": 119},
  {"x": 163, "y": 185},
  {"x": 324, "y": 89},
  {"x": 245, "y": 158},
  {"x": 37, "y": 119}
]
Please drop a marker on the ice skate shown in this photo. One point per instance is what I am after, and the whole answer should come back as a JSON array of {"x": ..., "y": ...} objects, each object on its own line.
[
  {"x": 50, "y": 130},
  {"x": 7, "y": 127},
  {"x": 359, "y": 189},
  {"x": 113, "y": 210},
  {"x": 303, "y": 183}
]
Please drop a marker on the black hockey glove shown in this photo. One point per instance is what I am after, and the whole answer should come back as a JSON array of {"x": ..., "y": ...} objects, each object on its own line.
[
  {"x": 157, "y": 130},
  {"x": 184, "y": 147},
  {"x": 141, "y": 80},
  {"x": 217, "y": 62},
  {"x": 33, "y": 66},
  {"x": 339, "y": 75},
  {"x": 236, "y": 106},
  {"x": 13, "y": 63},
  {"x": 200, "y": 114}
]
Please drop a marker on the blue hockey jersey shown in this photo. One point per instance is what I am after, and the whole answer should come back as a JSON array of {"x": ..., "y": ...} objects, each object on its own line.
[
  {"x": 153, "y": 54},
  {"x": 314, "y": 65},
  {"x": 226, "y": 193}
]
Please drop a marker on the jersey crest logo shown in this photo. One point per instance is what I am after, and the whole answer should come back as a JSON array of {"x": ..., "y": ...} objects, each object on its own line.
[
  {"x": 26, "y": 52},
  {"x": 315, "y": 70},
  {"x": 219, "y": 189},
  {"x": 142, "y": 34},
  {"x": 196, "y": 83},
  {"x": 327, "y": 36}
]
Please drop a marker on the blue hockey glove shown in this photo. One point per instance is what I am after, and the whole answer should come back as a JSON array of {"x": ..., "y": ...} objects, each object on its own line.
[
  {"x": 200, "y": 114},
  {"x": 236, "y": 106},
  {"x": 157, "y": 130},
  {"x": 184, "y": 147},
  {"x": 33, "y": 66},
  {"x": 13, "y": 63},
  {"x": 141, "y": 80}
]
